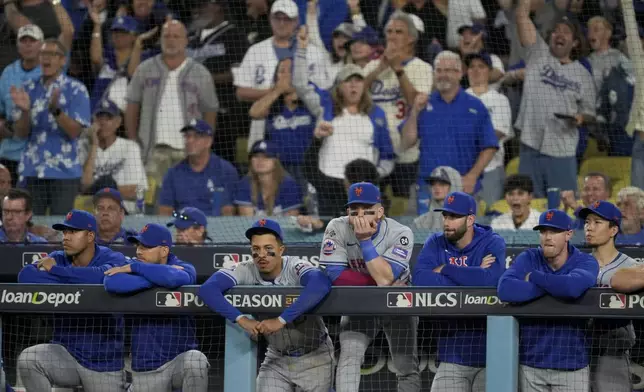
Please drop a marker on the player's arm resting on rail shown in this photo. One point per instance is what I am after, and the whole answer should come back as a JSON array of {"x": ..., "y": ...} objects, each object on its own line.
[
  {"x": 423, "y": 273},
  {"x": 513, "y": 287},
  {"x": 126, "y": 283},
  {"x": 212, "y": 294},
  {"x": 164, "y": 275},
  {"x": 87, "y": 275},
  {"x": 478, "y": 276},
  {"x": 388, "y": 267},
  {"x": 316, "y": 286},
  {"x": 334, "y": 258},
  {"x": 571, "y": 285},
  {"x": 30, "y": 274},
  {"x": 628, "y": 280}
]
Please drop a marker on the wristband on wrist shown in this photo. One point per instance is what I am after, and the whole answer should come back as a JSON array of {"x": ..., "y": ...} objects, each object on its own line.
[
  {"x": 282, "y": 320},
  {"x": 369, "y": 251}
]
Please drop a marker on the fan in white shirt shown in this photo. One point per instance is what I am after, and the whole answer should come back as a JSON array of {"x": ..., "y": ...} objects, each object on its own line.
[
  {"x": 479, "y": 67},
  {"x": 518, "y": 190},
  {"x": 472, "y": 42},
  {"x": 112, "y": 161}
]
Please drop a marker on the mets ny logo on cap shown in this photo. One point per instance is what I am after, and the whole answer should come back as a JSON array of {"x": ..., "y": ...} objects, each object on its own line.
[
  {"x": 450, "y": 200},
  {"x": 549, "y": 215},
  {"x": 358, "y": 191}
]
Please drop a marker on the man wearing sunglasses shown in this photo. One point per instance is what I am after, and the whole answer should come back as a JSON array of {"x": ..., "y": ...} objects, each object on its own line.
[
  {"x": 85, "y": 350},
  {"x": 367, "y": 249},
  {"x": 300, "y": 352},
  {"x": 164, "y": 349},
  {"x": 191, "y": 226}
]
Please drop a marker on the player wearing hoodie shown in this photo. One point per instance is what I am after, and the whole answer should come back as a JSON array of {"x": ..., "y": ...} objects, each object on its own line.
[{"x": 464, "y": 254}]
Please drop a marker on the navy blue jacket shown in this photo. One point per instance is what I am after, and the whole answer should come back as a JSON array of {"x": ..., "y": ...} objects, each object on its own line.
[
  {"x": 553, "y": 343},
  {"x": 157, "y": 340},
  {"x": 463, "y": 342},
  {"x": 95, "y": 341}
]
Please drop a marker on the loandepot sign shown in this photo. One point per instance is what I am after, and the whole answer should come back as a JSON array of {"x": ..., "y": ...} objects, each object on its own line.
[{"x": 40, "y": 298}]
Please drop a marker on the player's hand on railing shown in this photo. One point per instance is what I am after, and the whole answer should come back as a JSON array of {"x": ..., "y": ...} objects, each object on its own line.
[
  {"x": 419, "y": 103},
  {"x": 45, "y": 264},
  {"x": 20, "y": 98},
  {"x": 362, "y": 228},
  {"x": 324, "y": 129},
  {"x": 487, "y": 262},
  {"x": 124, "y": 269},
  {"x": 303, "y": 37},
  {"x": 249, "y": 325},
  {"x": 270, "y": 326}
]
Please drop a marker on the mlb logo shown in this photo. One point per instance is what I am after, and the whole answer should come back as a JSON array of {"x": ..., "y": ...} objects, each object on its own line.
[
  {"x": 32, "y": 257},
  {"x": 226, "y": 260},
  {"x": 169, "y": 299},
  {"x": 612, "y": 301},
  {"x": 399, "y": 299}
]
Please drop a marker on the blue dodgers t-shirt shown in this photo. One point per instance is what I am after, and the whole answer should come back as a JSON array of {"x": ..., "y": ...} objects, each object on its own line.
[
  {"x": 289, "y": 196},
  {"x": 291, "y": 132},
  {"x": 208, "y": 190},
  {"x": 453, "y": 134},
  {"x": 50, "y": 152}
]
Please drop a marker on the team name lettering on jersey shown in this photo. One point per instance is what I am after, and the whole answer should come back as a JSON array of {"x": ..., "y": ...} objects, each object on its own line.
[
  {"x": 459, "y": 261},
  {"x": 551, "y": 77}
]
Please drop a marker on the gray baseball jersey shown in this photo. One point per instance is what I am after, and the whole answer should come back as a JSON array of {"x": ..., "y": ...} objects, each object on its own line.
[
  {"x": 305, "y": 333},
  {"x": 551, "y": 87},
  {"x": 606, "y": 272},
  {"x": 340, "y": 247}
]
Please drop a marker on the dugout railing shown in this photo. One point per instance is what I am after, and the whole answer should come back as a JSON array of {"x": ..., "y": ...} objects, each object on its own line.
[{"x": 239, "y": 366}]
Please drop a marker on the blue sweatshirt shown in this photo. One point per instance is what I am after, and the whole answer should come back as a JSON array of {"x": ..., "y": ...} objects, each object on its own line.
[
  {"x": 95, "y": 341},
  {"x": 157, "y": 340},
  {"x": 559, "y": 344},
  {"x": 463, "y": 342}
]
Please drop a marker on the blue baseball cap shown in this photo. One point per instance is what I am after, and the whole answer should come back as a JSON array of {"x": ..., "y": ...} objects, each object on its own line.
[
  {"x": 483, "y": 56},
  {"x": 475, "y": 28},
  {"x": 125, "y": 23},
  {"x": 366, "y": 34},
  {"x": 112, "y": 193},
  {"x": 199, "y": 126},
  {"x": 458, "y": 203},
  {"x": 264, "y": 147},
  {"x": 363, "y": 193},
  {"x": 554, "y": 219},
  {"x": 152, "y": 235},
  {"x": 265, "y": 226},
  {"x": 77, "y": 220},
  {"x": 604, "y": 210},
  {"x": 107, "y": 107},
  {"x": 188, "y": 217}
]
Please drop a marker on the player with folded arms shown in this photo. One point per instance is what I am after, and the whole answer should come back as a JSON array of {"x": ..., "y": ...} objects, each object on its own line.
[
  {"x": 85, "y": 350},
  {"x": 366, "y": 248},
  {"x": 553, "y": 353},
  {"x": 464, "y": 254},
  {"x": 613, "y": 337},
  {"x": 300, "y": 351},
  {"x": 164, "y": 349}
]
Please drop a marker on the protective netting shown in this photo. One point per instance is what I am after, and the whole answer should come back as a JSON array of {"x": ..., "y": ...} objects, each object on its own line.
[{"x": 123, "y": 78}]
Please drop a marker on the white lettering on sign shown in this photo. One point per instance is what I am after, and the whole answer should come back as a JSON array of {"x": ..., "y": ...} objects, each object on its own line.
[
  {"x": 255, "y": 300},
  {"x": 192, "y": 299},
  {"x": 433, "y": 300}
]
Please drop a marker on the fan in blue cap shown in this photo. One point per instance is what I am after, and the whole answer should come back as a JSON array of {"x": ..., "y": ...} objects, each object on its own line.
[
  {"x": 191, "y": 226},
  {"x": 308, "y": 346},
  {"x": 110, "y": 213},
  {"x": 94, "y": 351},
  {"x": 560, "y": 270},
  {"x": 164, "y": 350}
]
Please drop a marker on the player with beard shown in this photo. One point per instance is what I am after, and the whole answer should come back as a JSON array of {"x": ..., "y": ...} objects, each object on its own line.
[
  {"x": 464, "y": 254},
  {"x": 367, "y": 249},
  {"x": 616, "y": 270},
  {"x": 85, "y": 350},
  {"x": 553, "y": 353}
]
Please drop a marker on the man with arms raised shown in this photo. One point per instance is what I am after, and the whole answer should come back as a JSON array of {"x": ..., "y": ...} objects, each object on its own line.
[
  {"x": 300, "y": 352},
  {"x": 85, "y": 350},
  {"x": 367, "y": 249},
  {"x": 164, "y": 349},
  {"x": 553, "y": 353},
  {"x": 464, "y": 254}
]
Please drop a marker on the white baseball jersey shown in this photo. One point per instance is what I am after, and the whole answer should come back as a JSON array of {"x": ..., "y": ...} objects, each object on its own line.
[
  {"x": 498, "y": 106},
  {"x": 386, "y": 93},
  {"x": 304, "y": 333},
  {"x": 340, "y": 247}
]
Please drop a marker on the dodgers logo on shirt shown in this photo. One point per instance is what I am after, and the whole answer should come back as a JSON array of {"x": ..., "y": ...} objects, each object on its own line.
[{"x": 328, "y": 248}]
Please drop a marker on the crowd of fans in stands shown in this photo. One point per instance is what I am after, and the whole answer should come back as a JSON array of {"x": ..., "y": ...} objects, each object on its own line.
[{"x": 420, "y": 96}]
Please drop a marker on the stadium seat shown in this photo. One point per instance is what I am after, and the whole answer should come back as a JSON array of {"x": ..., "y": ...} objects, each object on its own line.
[
  {"x": 592, "y": 150},
  {"x": 241, "y": 154},
  {"x": 512, "y": 167},
  {"x": 617, "y": 168},
  {"x": 619, "y": 185},
  {"x": 398, "y": 206},
  {"x": 542, "y": 204},
  {"x": 500, "y": 206},
  {"x": 84, "y": 203}
]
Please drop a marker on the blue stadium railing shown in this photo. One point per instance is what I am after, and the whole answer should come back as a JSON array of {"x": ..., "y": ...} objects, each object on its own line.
[{"x": 240, "y": 367}]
